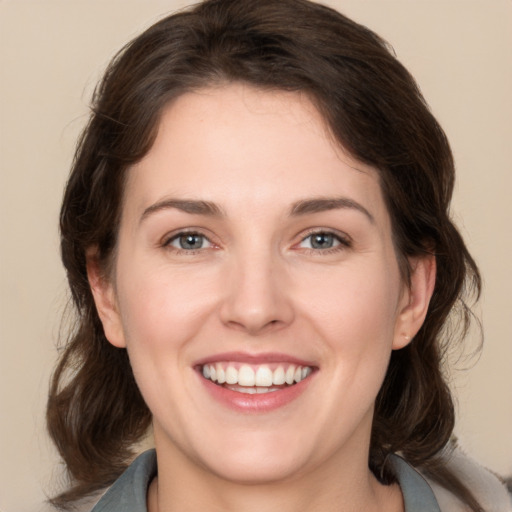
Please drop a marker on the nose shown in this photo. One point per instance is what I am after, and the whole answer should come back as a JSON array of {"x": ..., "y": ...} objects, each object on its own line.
[{"x": 257, "y": 296}]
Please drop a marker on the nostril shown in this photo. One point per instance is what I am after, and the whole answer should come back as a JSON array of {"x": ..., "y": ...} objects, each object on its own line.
[{"x": 254, "y": 325}]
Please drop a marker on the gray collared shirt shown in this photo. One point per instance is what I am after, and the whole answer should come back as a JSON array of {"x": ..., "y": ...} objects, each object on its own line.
[{"x": 128, "y": 494}]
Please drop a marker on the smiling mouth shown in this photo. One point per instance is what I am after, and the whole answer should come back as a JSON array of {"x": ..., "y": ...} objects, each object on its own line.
[{"x": 255, "y": 379}]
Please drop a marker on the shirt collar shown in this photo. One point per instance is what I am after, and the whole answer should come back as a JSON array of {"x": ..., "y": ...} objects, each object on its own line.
[{"x": 128, "y": 493}]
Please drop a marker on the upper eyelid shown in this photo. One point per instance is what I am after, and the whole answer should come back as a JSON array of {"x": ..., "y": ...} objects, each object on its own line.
[
  {"x": 304, "y": 234},
  {"x": 167, "y": 239},
  {"x": 186, "y": 231},
  {"x": 182, "y": 233},
  {"x": 330, "y": 231},
  {"x": 167, "y": 243}
]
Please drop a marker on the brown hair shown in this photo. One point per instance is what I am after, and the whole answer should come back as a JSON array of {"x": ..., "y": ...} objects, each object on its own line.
[{"x": 374, "y": 109}]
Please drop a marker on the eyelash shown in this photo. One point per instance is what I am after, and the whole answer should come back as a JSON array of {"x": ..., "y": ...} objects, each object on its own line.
[
  {"x": 167, "y": 243},
  {"x": 342, "y": 242}
]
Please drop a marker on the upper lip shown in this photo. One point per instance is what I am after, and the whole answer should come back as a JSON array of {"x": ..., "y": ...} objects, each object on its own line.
[{"x": 244, "y": 357}]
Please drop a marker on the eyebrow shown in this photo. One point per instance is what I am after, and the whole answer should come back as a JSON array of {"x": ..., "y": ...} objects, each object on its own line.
[
  {"x": 322, "y": 204},
  {"x": 302, "y": 207},
  {"x": 185, "y": 205}
]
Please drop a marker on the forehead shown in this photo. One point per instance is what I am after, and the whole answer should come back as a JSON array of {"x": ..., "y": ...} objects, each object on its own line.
[{"x": 231, "y": 142}]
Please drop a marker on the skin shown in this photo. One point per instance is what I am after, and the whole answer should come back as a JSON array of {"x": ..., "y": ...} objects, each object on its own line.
[{"x": 258, "y": 286}]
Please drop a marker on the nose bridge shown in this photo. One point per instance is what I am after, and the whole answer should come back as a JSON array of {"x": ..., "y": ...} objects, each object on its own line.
[{"x": 256, "y": 292}]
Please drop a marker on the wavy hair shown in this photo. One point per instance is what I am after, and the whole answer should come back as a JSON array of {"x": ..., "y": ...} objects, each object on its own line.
[{"x": 374, "y": 109}]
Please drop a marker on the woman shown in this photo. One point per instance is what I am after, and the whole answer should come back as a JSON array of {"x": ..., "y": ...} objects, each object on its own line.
[{"x": 257, "y": 240}]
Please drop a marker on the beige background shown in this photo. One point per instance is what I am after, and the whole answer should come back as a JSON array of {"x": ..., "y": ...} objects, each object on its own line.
[{"x": 52, "y": 53}]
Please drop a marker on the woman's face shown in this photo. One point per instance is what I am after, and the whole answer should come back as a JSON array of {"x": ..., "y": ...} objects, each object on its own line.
[{"x": 254, "y": 253}]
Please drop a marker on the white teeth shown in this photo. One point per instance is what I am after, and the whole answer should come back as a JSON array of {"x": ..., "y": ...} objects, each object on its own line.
[
  {"x": 264, "y": 376},
  {"x": 221, "y": 374},
  {"x": 246, "y": 380},
  {"x": 231, "y": 375},
  {"x": 252, "y": 390},
  {"x": 246, "y": 376},
  {"x": 278, "y": 377},
  {"x": 290, "y": 374}
]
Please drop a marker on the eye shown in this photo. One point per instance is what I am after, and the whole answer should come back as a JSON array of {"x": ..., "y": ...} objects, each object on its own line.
[
  {"x": 323, "y": 240},
  {"x": 189, "y": 242}
]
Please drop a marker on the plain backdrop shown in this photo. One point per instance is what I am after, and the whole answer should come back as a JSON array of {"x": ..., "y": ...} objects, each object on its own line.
[{"x": 51, "y": 55}]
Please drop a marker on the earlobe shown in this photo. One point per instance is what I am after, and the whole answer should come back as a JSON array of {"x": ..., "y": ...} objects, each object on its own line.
[
  {"x": 105, "y": 300},
  {"x": 416, "y": 300}
]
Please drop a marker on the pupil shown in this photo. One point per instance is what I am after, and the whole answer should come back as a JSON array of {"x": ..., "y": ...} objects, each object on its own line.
[
  {"x": 191, "y": 241},
  {"x": 322, "y": 241}
]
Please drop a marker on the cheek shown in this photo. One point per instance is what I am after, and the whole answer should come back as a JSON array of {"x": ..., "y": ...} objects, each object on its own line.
[
  {"x": 354, "y": 316},
  {"x": 159, "y": 306},
  {"x": 160, "y": 313},
  {"x": 356, "y": 302}
]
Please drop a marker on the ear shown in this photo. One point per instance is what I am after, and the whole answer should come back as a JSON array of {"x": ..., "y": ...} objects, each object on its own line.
[
  {"x": 105, "y": 299},
  {"x": 415, "y": 301}
]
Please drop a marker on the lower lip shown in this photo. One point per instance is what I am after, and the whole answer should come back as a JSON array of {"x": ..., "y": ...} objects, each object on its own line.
[{"x": 257, "y": 403}]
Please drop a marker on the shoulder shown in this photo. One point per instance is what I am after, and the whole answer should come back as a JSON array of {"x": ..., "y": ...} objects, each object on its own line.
[
  {"x": 487, "y": 488},
  {"x": 128, "y": 493},
  {"x": 416, "y": 491}
]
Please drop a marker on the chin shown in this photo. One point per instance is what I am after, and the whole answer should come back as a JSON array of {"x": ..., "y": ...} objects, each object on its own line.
[
  {"x": 258, "y": 458},
  {"x": 257, "y": 469}
]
